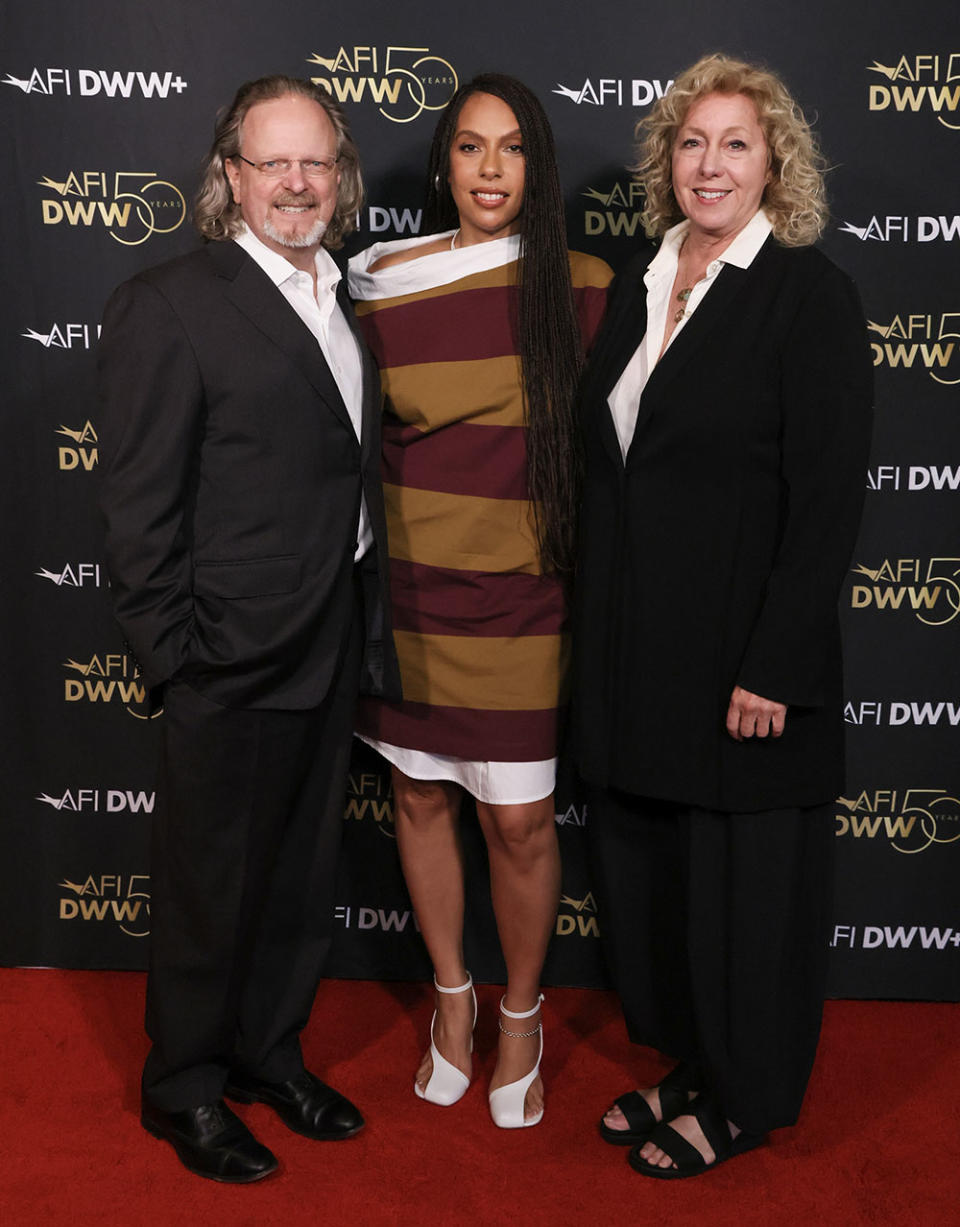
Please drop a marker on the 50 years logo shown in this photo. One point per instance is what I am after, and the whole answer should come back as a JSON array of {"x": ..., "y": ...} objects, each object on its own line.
[
  {"x": 113, "y": 897},
  {"x": 617, "y": 211},
  {"x": 130, "y": 205},
  {"x": 106, "y": 678},
  {"x": 370, "y": 795},
  {"x": 85, "y": 454},
  {"x": 928, "y": 587},
  {"x": 580, "y": 918},
  {"x": 911, "y": 819},
  {"x": 404, "y": 82},
  {"x": 919, "y": 83},
  {"x": 926, "y": 341}
]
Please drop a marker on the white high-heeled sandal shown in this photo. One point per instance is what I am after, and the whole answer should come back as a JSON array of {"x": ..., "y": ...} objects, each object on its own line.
[
  {"x": 446, "y": 1084},
  {"x": 506, "y": 1102}
]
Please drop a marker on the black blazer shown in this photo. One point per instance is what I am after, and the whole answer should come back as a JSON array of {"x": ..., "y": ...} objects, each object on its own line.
[
  {"x": 714, "y": 556},
  {"x": 230, "y": 482}
]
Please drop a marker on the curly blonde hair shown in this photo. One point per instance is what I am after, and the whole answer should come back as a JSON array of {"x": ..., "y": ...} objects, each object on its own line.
[
  {"x": 794, "y": 198},
  {"x": 215, "y": 213}
]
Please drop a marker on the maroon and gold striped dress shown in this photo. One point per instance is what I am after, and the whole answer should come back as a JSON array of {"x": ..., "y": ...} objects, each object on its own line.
[{"x": 480, "y": 632}]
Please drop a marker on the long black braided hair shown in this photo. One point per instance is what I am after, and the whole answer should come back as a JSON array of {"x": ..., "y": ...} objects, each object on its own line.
[{"x": 547, "y": 334}]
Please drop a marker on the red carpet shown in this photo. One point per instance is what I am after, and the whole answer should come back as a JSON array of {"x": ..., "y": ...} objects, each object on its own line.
[{"x": 879, "y": 1141}]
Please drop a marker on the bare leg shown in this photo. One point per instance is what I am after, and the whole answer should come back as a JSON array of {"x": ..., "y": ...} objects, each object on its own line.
[
  {"x": 525, "y": 888},
  {"x": 426, "y": 816}
]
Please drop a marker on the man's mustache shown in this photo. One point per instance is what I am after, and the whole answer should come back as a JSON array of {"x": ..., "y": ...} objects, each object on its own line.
[{"x": 289, "y": 198}]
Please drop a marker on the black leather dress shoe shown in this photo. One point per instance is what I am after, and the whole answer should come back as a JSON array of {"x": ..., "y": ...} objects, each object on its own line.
[
  {"x": 211, "y": 1141},
  {"x": 304, "y": 1104}
]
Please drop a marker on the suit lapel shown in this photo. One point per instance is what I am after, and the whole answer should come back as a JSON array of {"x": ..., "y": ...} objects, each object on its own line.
[
  {"x": 252, "y": 292},
  {"x": 715, "y": 307},
  {"x": 710, "y": 315}
]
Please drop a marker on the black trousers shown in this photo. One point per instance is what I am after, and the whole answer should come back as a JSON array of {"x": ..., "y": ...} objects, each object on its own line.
[
  {"x": 716, "y": 928},
  {"x": 245, "y": 841}
]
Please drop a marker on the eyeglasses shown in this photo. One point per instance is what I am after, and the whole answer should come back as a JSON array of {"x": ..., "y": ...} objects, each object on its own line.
[{"x": 275, "y": 168}]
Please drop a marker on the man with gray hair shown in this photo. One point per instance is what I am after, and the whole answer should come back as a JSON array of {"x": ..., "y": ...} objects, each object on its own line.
[{"x": 246, "y": 548}]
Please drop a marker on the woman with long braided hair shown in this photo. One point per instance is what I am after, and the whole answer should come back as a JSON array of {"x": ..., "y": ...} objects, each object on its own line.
[{"x": 479, "y": 327}]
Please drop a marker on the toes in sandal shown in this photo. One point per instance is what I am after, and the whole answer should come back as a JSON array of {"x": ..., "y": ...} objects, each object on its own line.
[
  {"x": 507, "y": 1102},
  {"x": 447, "y": 1084},
  {"x": 689, "y": 1161},
  {"x": 674, "y": 1098}
]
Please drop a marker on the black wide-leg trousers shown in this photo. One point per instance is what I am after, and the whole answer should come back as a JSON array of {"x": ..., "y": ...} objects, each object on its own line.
[
  {"x": 715, "y": 928},
  {"x": 245, "y": 841}
]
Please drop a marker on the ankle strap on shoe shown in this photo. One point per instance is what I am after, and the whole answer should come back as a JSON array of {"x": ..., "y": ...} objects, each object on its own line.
[
  {"x": 522, "y": 1013},
  {"x": 461, "y": 989}
]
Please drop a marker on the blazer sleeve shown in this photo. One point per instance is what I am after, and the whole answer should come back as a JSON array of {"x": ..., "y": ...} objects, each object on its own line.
[
  {"x": 149, "y": 438},
  {"x": 826, "y": 393}
]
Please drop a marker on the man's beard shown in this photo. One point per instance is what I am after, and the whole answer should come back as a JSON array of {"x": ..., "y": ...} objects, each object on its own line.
[{"x": 306, "y": 238}]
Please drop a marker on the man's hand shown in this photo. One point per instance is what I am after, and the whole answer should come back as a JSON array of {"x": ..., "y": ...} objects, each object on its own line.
[{"x": 749, "y": 715}]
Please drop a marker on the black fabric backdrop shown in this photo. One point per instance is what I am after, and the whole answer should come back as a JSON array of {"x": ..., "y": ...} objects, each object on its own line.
[{"x": 106, "y": 111}]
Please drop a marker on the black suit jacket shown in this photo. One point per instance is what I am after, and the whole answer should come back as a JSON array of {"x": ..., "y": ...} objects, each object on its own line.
[
  {"x": 230, "y": 480},
  {"x": 714, "y": 555}
]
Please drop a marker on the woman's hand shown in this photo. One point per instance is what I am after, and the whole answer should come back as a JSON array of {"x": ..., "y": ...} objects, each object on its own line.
[{"x": 749, "y": 715}]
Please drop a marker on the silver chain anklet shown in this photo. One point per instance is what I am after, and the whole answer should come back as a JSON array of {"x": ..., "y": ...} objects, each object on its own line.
[{"x": 518, "y": 1035}]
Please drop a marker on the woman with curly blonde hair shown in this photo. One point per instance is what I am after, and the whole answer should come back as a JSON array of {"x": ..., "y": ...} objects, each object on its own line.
[
  {"x": 793, "y": 198},
  {"x": 726, "y": 419}
]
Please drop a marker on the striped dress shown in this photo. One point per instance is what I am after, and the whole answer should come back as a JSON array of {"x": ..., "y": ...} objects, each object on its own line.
[{"x": 480, "y": 632}]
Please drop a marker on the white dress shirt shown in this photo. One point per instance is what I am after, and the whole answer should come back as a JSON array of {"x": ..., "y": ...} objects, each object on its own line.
[
  {"x": 624, "y": 399},
  {"x": 322, "y": 315}
]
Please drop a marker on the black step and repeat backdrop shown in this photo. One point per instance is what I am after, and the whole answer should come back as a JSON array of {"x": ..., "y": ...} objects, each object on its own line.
[{"x": 107, "y": 109}]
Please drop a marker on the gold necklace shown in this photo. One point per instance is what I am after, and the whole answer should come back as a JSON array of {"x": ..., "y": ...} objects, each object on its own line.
[{"x": 683, "y": 296}]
